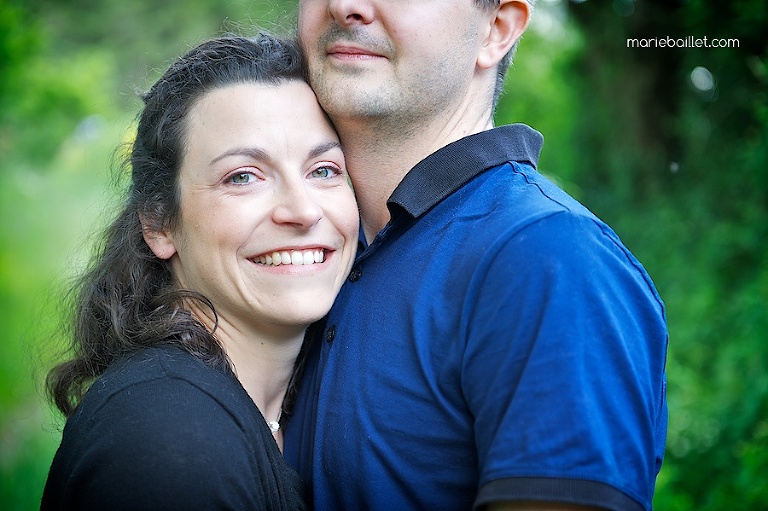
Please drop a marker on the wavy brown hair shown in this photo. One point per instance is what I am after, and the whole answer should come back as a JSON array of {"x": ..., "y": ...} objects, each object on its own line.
[{"x": 127, "y": 300}]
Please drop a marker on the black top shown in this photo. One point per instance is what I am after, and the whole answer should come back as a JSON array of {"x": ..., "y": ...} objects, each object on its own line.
[{"x": 161, "y": 430}]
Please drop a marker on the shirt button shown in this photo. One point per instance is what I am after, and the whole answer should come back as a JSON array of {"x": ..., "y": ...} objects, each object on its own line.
[
  {"x": 330, "y": 334},
  {"x": 355, "y": 274}
]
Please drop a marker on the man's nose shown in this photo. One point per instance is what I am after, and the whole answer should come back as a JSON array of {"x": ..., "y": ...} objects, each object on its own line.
[{"x": 350, "y": 12}]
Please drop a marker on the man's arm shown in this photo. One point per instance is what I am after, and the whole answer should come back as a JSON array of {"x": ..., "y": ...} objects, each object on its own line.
[{"x": 579, "y": 339}]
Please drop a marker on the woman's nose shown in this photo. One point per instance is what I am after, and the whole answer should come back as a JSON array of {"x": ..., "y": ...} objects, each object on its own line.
[{"x": 297, "y": 206}]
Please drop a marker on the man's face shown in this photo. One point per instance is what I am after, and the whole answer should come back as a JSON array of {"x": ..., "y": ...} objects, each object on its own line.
[{"x": 404, "y": 59}]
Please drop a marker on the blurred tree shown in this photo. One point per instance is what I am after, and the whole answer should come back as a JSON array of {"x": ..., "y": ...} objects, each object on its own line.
[
  {"x": 30, "y": 89},
  {"x": 61, "y": 62}
]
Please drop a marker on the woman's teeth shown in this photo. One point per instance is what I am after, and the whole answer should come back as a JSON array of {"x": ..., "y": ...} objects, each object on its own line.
[{"x": 294, "y": 257}]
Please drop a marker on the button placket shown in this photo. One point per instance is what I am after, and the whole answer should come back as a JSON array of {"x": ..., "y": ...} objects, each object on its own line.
[{"x": 355, "y": 274}]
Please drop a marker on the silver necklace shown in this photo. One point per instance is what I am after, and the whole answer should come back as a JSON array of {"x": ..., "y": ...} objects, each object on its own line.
[{"x": 274, "y": 426}]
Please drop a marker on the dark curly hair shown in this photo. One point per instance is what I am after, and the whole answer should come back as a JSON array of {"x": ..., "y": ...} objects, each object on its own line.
[{"x": 127, "y": 299}]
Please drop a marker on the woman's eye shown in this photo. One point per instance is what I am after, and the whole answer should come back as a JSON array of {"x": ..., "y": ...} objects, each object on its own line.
[
  {"x": 241, "y": 178},
  {"x": 325, "y": 172}
]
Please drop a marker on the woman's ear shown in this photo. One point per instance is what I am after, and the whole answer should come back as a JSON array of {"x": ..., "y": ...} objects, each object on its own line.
[
  {"x": 507, "y": 24},
  {"x": 159, "y": 241}
]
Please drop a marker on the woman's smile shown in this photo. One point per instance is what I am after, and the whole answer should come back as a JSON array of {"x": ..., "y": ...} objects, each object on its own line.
[{"x": 295, "y": 257}]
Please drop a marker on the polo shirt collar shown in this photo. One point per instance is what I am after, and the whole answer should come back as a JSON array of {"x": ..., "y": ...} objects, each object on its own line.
[{"x": 448, "y": 169}]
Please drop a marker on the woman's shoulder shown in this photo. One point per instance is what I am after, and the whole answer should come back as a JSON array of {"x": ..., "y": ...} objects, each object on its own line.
[
  {"x": 160, "y": 385},
  {"x": 157, "y": 362},
  {"x": 160, "y": 424}
]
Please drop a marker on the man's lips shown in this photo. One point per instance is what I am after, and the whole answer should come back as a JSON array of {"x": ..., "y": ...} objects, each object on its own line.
[{"x": 352, "y": 52}]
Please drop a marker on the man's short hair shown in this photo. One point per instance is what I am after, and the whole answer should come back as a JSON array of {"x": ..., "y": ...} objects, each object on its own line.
[{"x": 501, "y": 70}]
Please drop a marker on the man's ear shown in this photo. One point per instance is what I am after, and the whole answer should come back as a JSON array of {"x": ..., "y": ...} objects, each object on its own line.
[
  {"x": 159, "y": 241},
  {"x": 507, "y": 24}
]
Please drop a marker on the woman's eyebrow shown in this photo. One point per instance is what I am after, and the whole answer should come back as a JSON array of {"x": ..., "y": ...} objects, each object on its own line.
[
  {"x": 255, "y": 153},
  {"x": 322, "y": 148},
  {"x": 260, "y": 154}
]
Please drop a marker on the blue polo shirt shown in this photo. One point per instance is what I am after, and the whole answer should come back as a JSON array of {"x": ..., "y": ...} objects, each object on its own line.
[{"x": 496, "y": 341}]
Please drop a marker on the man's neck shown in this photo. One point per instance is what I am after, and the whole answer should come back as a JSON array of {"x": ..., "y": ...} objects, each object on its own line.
[{"x": 378, "y": 158}]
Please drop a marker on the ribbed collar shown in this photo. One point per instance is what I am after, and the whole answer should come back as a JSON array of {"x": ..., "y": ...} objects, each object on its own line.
[{"x": 448, "y": 169}]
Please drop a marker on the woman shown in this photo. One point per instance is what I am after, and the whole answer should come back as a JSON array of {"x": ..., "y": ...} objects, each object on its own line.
[{"x": 238, "y": 231}]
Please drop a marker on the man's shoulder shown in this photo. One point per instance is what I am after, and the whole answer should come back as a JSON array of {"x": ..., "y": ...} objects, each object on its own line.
[{"x": 511, "y": 196}]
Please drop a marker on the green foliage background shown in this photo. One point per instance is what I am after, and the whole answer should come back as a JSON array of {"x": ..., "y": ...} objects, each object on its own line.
[{"x": 680, "y": 173}]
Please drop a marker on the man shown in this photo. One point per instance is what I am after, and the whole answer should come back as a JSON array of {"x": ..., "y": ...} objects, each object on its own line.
[{"x": 496, "y": 346}]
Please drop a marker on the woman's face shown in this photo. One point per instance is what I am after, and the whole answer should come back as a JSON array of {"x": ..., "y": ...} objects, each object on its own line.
[{"x": 268, "y": 226}]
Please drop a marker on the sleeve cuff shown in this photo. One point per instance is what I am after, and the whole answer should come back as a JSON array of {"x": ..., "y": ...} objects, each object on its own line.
[{"x": 566, "y": 491}]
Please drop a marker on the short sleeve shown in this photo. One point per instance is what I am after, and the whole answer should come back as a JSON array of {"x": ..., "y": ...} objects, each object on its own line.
[{"x": 564, "y": 368}]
